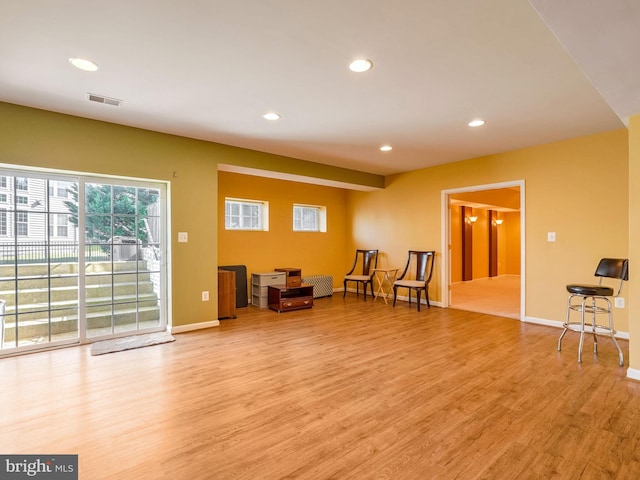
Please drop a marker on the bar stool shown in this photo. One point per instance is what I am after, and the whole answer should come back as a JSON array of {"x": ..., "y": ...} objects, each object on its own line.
[{"x": 593, "y": 299}]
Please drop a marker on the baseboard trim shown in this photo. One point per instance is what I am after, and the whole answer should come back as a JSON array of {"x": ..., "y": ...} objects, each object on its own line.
[
  {"x": 633, "y": 373},
  {"x": 194, "y": 326},
  {"x": 422, "y": 301},
  {"x": 543, "y": 321},
  {"x": 404, "y": 298},
  {"x": 558, "y": 324}
]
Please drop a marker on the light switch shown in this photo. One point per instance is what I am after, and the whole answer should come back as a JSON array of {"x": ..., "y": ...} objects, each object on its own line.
[
  {"x": 551, "y": 236},
  {"x": 183, "y": 237}
]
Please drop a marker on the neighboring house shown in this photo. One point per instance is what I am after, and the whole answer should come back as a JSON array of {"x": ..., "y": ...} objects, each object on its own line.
[{"x": 28, "y": 207}]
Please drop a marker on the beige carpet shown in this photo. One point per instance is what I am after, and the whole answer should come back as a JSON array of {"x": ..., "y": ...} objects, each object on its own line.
[
  {"x": 496, "y": 296},
  {"x": 127, "y": 343}
]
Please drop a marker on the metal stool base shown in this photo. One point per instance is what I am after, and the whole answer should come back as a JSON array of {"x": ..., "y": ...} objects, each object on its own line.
[{"x": 592, "y": 328}]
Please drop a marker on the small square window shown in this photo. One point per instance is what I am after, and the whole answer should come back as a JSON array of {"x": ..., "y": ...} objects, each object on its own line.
[
  {"x": 246, "y": 214},
  {"x": 309, "y": 218}
]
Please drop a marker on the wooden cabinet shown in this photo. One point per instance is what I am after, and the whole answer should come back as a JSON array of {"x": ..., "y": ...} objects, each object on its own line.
[
  {"x": 226, "y": 294},
  {"x": 283, "y": 298},
  {"x": 293, "y": 275}
]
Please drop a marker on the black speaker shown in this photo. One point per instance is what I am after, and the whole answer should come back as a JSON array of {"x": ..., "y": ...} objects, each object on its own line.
[{"x": 242, "y": 296}]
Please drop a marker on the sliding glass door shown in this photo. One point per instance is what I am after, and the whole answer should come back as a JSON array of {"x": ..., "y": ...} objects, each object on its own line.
[
  {"x": 58, "y": 286},
  {"x": 123, "y": 292}
]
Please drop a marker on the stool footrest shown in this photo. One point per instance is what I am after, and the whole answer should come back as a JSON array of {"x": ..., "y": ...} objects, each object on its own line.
[
  {"x": 588, "y": 328},
  {"x": 589, "y": 309}
]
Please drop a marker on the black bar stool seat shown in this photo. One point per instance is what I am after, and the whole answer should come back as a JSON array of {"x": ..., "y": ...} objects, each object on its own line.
[{"x": 590, "y": 290}]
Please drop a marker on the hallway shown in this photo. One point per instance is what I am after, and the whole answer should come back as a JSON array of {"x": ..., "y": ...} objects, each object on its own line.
[{"x": 496, "y": 296}]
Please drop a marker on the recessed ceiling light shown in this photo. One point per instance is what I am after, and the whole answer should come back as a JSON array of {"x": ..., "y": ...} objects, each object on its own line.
[
  {"x": 476, "y": 123},
  {"x": 83, "y": 64},
  {"x": 271, "y": 116},
  {"x": 360, "y": 65},
  {"x": 386, "y": 148}
]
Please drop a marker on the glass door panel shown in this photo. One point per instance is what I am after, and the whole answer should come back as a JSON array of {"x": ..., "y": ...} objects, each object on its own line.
[
  {"x": 38, "y": 249},
  {"x": 57, "y": 286},
  {"x": 123, "y": 222}
]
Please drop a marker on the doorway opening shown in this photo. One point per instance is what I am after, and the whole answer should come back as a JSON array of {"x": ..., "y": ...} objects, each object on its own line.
[{"x": 483, "y": 241}]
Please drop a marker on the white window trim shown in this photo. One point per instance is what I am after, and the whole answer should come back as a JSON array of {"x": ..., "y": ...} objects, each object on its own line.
[
  {"x": 264, "y": 214},
  {"x": 3, "y": 213},
  {"x": 21, "y": 187},
  {"x": 322, "y": 217},
  {"x": 19, "y": 222}
]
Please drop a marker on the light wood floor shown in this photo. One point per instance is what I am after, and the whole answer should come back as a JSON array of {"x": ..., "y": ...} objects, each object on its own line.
[
  {"x": 347, "y": 390},
  {"x": 496, "y": 296}
]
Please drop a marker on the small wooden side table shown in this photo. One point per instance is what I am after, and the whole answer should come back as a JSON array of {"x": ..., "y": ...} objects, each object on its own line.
[{"x": 385, "y": 277}]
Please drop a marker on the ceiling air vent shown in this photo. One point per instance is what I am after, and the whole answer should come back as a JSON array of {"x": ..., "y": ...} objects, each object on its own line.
[{"x": 102, "y": 99}]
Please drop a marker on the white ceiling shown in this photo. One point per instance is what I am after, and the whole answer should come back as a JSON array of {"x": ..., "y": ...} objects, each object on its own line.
[{"x": 209, "y": 69}]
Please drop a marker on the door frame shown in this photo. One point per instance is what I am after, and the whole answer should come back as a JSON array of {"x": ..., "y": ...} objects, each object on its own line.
[
  {"x": 445, "y": 223},
  {"x": 163, "y": 241},
  {"x": 165, "y": 261}
]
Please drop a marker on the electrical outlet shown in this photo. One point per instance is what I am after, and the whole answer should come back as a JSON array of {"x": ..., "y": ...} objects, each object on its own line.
[
  {"x": 619, "y": 302},
  {"x": 205, "y": 296},
  {"x": 183, "y": 237},
  {"x": 551, "y": 236}
]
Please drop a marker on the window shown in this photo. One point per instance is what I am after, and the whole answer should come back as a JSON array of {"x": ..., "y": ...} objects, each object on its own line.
[
  {"x": 22, "y": 184},
  {"x": 3, "y": 222},
  {"x": 3, "y": 197},
  {"x": 3, "y": 181},
  {"x": 63, "y": 226},
  {"x": 246, "y": 214},
  {"x": 22, "y": 223},
  {"x": 22, "y": 200},
  {"x": 59, "y": 189},
  {"x": 309, "y": 218},
  {"x": 59, "y": 226}
]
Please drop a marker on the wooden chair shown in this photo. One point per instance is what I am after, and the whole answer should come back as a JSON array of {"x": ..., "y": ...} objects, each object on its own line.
[
  {"x": 369, "y": 261},
  {"x": 424, "y": 261}
]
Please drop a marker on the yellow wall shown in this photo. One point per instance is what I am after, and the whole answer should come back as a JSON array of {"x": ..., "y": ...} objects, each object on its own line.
[
  {"x": 38, "y": 138},
  {"x": 633, "y": 290},
  {"x": 44, "y": 139},
  {"x": 315, "y": 253},
  {"x": 575, "y": 188}
]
